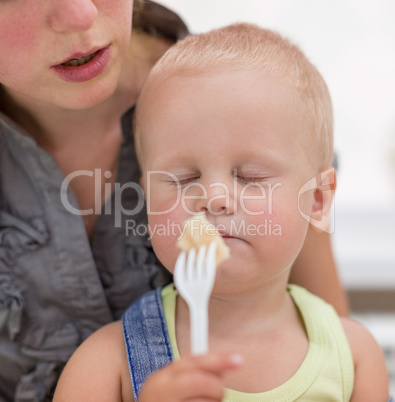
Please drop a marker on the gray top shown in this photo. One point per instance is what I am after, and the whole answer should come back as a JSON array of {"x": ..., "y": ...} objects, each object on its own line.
[{"x": 55, "y": 287}]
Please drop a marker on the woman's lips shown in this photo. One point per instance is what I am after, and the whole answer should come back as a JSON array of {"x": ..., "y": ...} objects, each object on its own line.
[{"x": 81, "y": 68}]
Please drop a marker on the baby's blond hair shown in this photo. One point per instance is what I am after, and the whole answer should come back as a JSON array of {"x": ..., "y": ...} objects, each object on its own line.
[{"x": 246, "y": 46}]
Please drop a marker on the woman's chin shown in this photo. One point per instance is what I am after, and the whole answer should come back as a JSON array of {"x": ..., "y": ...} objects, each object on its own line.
[
  {"x": 88, "y": 94},
  {"x": 88, "y": 98}
]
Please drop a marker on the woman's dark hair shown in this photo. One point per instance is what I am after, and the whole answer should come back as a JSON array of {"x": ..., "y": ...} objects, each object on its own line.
[
  {"x": 157, "y": 20},
  {"x": 137, "y": 6}
]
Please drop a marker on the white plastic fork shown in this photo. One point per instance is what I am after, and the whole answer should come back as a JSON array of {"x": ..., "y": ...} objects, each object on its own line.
[{"x": 194, "y": 280}]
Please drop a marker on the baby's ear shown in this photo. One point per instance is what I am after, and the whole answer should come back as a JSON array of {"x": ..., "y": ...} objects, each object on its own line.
[{"x": 323, "y": 200}]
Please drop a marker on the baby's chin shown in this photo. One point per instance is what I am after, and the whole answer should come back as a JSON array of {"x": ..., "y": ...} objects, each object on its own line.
[{"x": 229, "y": 278}]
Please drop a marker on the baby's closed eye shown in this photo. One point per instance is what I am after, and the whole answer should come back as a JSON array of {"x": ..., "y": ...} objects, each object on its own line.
[{"x": 184, "y": 180}]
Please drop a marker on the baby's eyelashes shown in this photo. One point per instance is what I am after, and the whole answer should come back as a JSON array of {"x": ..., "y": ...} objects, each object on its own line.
[
  {"x": 183, "y": 181},
  {"x": 247, "y": 176},
  {"x": 252, "y": 179}
]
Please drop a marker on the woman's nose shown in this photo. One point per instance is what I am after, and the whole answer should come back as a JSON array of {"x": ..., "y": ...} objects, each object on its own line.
[{"x": 72, "y": 15}]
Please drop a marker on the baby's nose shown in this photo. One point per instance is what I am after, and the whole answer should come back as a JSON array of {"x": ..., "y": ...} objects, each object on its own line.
[{"x": 218, "y": 199}]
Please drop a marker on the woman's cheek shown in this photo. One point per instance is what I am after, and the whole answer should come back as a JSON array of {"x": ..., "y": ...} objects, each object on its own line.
[
  {"x": 19, "y": 28},
  {"x": 16, "y": 33}
]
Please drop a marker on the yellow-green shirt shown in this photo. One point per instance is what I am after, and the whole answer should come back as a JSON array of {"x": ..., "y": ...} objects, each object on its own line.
[{"x": 327, "y": 371}]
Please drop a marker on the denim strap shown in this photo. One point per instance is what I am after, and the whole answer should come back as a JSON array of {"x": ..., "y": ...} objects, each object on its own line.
[{"x": 147, "y": 341}]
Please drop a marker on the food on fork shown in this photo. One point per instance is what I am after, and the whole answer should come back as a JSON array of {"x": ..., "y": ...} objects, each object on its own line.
[{"x": 197, "y": 232}]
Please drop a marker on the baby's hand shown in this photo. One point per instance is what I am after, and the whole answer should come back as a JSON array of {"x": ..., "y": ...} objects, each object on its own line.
[{"x": 192, "y": 378}]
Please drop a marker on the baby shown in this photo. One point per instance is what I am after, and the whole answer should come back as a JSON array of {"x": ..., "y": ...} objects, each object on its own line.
[{"x": 235, "y": 124}]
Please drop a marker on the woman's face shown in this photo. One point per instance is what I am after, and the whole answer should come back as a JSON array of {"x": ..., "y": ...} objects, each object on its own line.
[{"x": 38, "y": 38}]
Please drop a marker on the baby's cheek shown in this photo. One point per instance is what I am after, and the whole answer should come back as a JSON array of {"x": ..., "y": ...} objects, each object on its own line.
[
  {"x": 165, "y": 229},
  {"x": 159, "y": 203},
  {"x": 254, "y": 207},
  {"x": 276, "y": 214},
  {"x": 288, "y": 228},
  {"x": 260, "y": 199}
]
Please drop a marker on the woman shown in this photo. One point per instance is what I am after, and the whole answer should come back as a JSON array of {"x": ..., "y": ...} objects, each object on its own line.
[{"x": 70, "y": 76}]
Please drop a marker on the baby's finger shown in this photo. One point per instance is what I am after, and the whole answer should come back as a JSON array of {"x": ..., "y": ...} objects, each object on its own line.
[
  {"x": 203, "y": 400},
  {"x": 216, "y": 363},
  {"x": 199, "y": 385}
]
